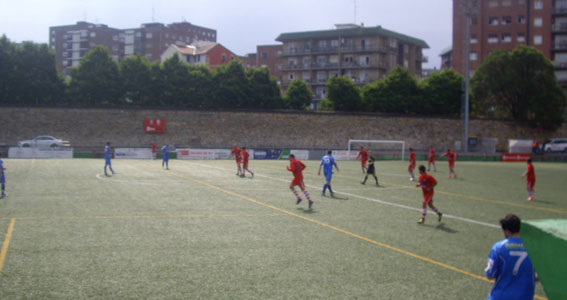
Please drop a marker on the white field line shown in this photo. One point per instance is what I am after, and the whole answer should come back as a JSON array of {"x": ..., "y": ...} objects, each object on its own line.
[{"x": 370, "y": 199}]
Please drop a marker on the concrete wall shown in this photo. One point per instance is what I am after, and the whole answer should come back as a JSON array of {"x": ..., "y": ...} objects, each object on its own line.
[{"x": 211, "y": 129}]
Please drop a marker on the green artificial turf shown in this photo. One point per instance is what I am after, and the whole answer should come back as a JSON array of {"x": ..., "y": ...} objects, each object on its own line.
[{"x": 197, "y": 231}]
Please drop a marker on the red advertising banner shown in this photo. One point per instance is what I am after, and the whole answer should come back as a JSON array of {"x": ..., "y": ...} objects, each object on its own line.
[
  {"x": 154, "y": 125},
  {"x": 509, "y": 157}
]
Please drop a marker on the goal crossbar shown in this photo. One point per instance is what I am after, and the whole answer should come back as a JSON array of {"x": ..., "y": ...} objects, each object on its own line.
[{"x": 403, "y": 143}]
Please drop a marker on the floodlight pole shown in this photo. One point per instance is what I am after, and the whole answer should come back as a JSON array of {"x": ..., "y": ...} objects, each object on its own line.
[{"x": 467, "y": 10}]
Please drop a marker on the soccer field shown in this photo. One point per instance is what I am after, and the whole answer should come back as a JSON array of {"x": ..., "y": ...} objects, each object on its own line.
[{"x": 197, "y": 231}]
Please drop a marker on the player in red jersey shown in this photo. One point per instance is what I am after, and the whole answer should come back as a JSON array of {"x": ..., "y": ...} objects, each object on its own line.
[
  {"x": 363, "y": 154},
  {"x": 296, "y": 167},
  {"x": 411, "y": 165},
  {"x": 236, "y": 153},
  {"x": 245, "y": 156},
  {"x": 427, "y": 183},
  {"x": 451, "y": 157},
  {"x": 530, "y": 179},
  {"x": 431, "y": 160}
]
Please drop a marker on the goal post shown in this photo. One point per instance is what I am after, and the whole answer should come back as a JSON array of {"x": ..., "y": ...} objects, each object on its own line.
[{"x": 391, "y": 146}]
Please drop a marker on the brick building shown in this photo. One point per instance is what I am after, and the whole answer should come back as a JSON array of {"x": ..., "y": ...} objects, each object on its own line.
[
  {"x": 363, "y": 54},
  {"x": 269, "y": 56},
  {"x": 505, "y": 24},
  {"x": 72, "y": 42}
]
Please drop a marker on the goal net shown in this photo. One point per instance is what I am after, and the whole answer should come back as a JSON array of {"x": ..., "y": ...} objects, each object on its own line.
[{"x": 380, "y": 149}]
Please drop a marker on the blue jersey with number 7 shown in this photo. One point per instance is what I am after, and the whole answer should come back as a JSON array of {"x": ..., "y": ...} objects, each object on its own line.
[{"x": 510, "y": 266}]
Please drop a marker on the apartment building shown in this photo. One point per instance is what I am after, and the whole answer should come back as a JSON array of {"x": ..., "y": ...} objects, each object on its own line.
[
  {"x": 363, "y": 54},
  {"x": 72, "y": 42},
  {"x": 446, "y": 58},
  {"x": 505, "y": 24},
  {"x": 268, "y": 56}
]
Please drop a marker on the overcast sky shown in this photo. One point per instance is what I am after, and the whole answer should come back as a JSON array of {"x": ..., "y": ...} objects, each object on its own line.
[{"x": 240, "y": 24}]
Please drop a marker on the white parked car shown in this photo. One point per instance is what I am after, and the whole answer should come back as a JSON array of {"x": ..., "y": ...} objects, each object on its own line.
[
  {"x": 44, "y": 141},
  {"x": 556, "y": 145}
]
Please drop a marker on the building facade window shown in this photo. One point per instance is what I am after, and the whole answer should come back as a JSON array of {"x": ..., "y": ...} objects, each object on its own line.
[
  {"x": 538, "y": 40},
  {"x": 493, "y": 21},
  {"x": 506, "y": 2},
  {"x": 521, "y": 20},
  {"x": 521, "y": 38},
  {"x": 223, "y": 58},
  {"x": 506, "y": 20},
  {"x": 264, "y": 55},
  {"x": 474, "y": 39},
  {"x": 473, "y": 56},
  {"x": 493, "y": 3},
  {"x": 538, "y": 22},
  {"x": 492, "y": 39},
  {"x": 538, "y": 4},
  {"x": 149, "y": 35},
  {"x": 506, "y": 37}
]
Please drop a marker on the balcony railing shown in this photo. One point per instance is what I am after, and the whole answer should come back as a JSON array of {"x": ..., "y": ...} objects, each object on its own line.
[
  {"x": 343, "y": 49},
  {"x": 559, "y": 27},
  {"x": 559, "y": 10},
  {"x": 354, "y": 65},
  {"x": 560, "y": 64},
  {"x": 559, "y": 46}
]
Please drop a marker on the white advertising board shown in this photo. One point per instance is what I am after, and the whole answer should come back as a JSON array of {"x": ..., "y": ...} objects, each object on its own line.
[
  {"x": 26, "y": 152},
  {"x": 203, "y": 154},
  {"x": 300, "y": 154},
  {"x": 133, "y": 153},
  {"x": 520, "y": 146},
  {"x": 344, "y": 154}
]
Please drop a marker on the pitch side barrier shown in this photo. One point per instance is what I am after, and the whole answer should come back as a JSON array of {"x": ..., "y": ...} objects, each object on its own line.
[{"x": 32, "y": 152}]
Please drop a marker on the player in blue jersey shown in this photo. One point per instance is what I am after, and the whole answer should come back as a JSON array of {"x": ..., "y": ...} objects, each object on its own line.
[
  {"x": 165, "y": 156},
  {"x": 509, "y": 265},
  {"x": 107, "y": 158},
  {"x": 2, "y": 178},
  {"x": 327, "y": 163}
]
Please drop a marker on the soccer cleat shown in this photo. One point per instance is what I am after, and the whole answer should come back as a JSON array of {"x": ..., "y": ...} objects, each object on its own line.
[
  {"x": 530, "y": 198},
  {"x": 310, "y": 204},
  {"x": 298, "y": 201},
  {"x": 440, "y": 216},
  {"x": 3, "y": 195},
  {"x": 377, "y": 183},
  {"x": 421, "y": 221},
  {"x": 411, "y": 179},
  {"x": 362, "y": 182},
  {"x": 449, "y": 177},
  {"x": 323, "y": 194},
  {"x": 332, "y": 195}
]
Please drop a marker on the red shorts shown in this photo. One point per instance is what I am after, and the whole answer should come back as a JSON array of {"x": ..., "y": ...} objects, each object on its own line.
[
  {"x": 530, "y": 184},
  {"x": 245, "y": 164},
  {"x": 298, "y": 181},
  {"x": 428, "y": 198},
  {"x": 363, "y": 162},
  {"x": 432, "y": 159},
  {"x": 451, "y": 164},
  {"x": 238, "y": 160},
  {"x": 411, "y": 166}
]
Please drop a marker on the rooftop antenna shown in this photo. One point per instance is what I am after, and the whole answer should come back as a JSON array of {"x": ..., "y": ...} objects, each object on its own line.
[{"x": 354, "y": 2}]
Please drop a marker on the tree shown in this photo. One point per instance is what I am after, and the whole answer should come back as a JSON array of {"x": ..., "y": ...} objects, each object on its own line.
[
  {"x": 397, "y": 93},
  {"x": 96, "y": 81},
  {"x": 298, "y": 95},
  {"x": 442, "y": 93},
  {"x": 521, "y": 84},
  {"x": 175, "y": 80},
  {"x": 136, "y": 79},
  {"x": 343, "y": 94},
  {"x": 231, "y": 88},
  {"x": 28, "y": 74},
  {"x": 264, "y": 90}
]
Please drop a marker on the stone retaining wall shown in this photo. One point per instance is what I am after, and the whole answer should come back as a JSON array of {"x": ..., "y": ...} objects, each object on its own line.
[{"x": 220, "y": 129}]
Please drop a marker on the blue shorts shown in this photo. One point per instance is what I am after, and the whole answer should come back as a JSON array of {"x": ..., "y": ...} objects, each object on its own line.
[
  {"x": 328, "y": 176},
  {"x": 107, "y": 160},
  {"x": 2, "y": 179},
  {"x": 166, "y": 157}
]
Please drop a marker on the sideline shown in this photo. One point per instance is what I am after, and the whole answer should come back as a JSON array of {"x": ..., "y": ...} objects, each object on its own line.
[{"x": 6, "y": 243}]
